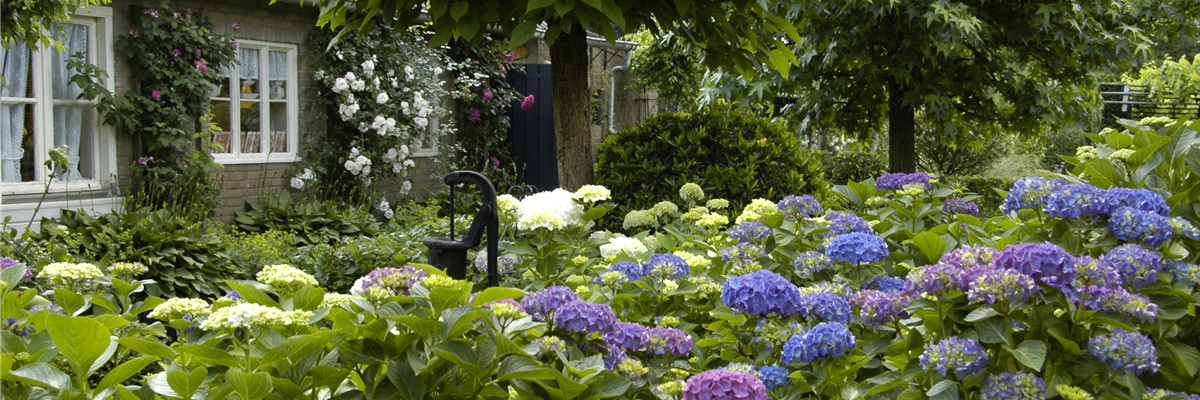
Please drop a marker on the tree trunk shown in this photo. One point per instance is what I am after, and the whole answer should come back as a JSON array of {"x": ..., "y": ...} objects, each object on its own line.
[
  {"x": 569, "y": 67},
  {"x": 902, "y": 151}
]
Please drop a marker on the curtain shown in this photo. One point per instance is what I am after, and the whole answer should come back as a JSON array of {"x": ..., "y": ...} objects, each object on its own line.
[
  {"x": 278, "y": 65},
  {"x": 69, "y": 118},
  {"x": 12, "y": 116}
]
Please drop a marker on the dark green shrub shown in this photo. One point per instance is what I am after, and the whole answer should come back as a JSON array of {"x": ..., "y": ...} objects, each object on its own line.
[
  {"x": 729, "y": 154},
  {"x": 989, "y": 204},
  {"x": 854, "y": 166},
  {"x": 313, "y": 223},
  {"x": 962, "y": 155},
  {"x": 249, "y": 251},
  {"x": 184, "y": 260}
]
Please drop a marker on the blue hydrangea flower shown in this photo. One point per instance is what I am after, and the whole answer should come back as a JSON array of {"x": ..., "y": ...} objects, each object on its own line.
[
  {"x": 1018, "y": 385},
  {"x": 957, "y": 205},
  {"x": 811, "y": 262},
  {"x": 743, "y": 252},
  {"x": 761, "y": 293},
  {"x": 1184, "y": 228},
  {"x": 962, "y": 357},
  {"x": 233, "y": 295},
  {"x": 774, "y": 376},
  {"x": 1182, "y": 271},
  {"x": 897, "y": 181},
  {"x": 843, "y": 222},
  {"x": 1028, "y": 193},
  {"x": 1090, "y": 272},
  {"x": 666, "y": 266},
  {"x": 1134, "y": 263},
  {"x": 1101, "y": 298},
  {"x": 879, "y": 308},
  {"x": 1140, "y": 199},
  {"x": 1133, "y": 225},
  {"x": 584, "y": 317},
  {"x": 1075, "y": 200},
  {"x": 541, "y": 304},
  {"x": 613, "y": 356},
  {"x": 1124, "y": 350},
  {"x": 1002, "y": 285},
  {"x": 668, "y": 341},
  {"x": 1044, "y": 262},
  {"x": 935, "y": 280},
  {"x": 631, "y": 270},
  {"x": 857, "y": 248},
  {"x": 628, "y": 336},
  {"x": 750, "y": 232},
  {"x": 826, "y": 340},
  {"x": 797, "y": 207},
  {"x": 1158, "y": 394},
  {"x": 828, "y": 307},
  {"x": 722, "y": 384},
  {"x": 884, "y": 283}
]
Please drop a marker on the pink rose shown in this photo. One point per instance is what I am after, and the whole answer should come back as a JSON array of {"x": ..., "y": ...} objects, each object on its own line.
[
  {"x": 488, "y": 96},
  {"x": 197, "y": 53},
  {"x": 495, "y": 161},
  {"x": 156, "y": 94},
  {"x": 133, "y": 31},
  {"x": 525, "y": 105},
  {"x": 175, "y": 53},
  {"x": 235, "y": 25},
  {"x": 474, "y": 115},
  {"x": 200, "y": 65}
]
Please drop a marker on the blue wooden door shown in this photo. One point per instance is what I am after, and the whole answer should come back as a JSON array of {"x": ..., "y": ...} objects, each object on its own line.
[{"x": 532, "y": 131}]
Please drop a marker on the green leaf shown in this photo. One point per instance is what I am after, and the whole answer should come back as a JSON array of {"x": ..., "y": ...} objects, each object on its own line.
[
  {"x": 536, "y": 4},
  {"x": 251, "y": 293},
  {"x": 944, "y": 390},
  {"x": 931, "y": 245},
  {"x": 1103, "y": 174},
  {"x": 308, "y": 298},
  {"x": 68, "y": 300},
  {"x": 495, "y": 294},
  {"x": 523, "y": 33},
  {"x": 992, "y": 330},
  {"x": 12, "y": 276},
  {"x": 459, "y": 9},
  {"x": 44, "y": 375},
  {"x": 125, "y": 371},
  {"x": 82, "y": 341},
  {"x": 250, "y": 386},
  {"x": 1031, "y": 353},
  {"x": 147, "y": 346},
  {"x": 211, "y": 355},
  {"x": 185, "y": 384},
  {"x": 980, "y": 314},
  {"x": 404, "y": 378},
  {"x": 298, "y": 347}
]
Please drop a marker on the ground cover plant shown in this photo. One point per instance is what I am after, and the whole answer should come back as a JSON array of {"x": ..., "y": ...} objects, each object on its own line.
[{"x": 1077, "y": 289}]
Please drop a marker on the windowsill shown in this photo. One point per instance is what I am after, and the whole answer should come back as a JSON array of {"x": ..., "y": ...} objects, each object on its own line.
[
  {"x": 23, "y": 188},
  {"x": 272, "y": 159}
]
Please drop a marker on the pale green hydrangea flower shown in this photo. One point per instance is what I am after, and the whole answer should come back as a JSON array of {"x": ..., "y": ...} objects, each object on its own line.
[
  {"x": 582, "y": 290},
  {"x": 1121, "y": 154},
  {"x": 694, "y": 261},
  {"x": 671, "y": 389},
  {"x": 507, "y": 310},
  {"x": 651, "y": 242},
  {"x": 1155, "y": 121},
  {"x": 1085, "y": 153},
  {"x": 664, "y": 208},
  {"x": 1073, "y": 393},
  {"x": 691, "y": 192},
  {"x": 713, "y": 221},
  {"x": 69, "y": 274},
  {"x": 176, "y": 308},
  {"x": 717, "y": 204},
  {"x": 668, "y": 287},
  {"x": 285, "y": 276},
  {"x": 613, "y": 278},
  {"x": 436, "y": 281},
  {"x": 912, "y": 189},
  {"x": 579, "y": 260},
  {"x": 574, "y": 280},
  {"x": 617, "y": 246},
  {"x": 668, "y": 321},
  {"x": 332, "y": 300},
  {"x": 640, "y": 219},
  {"x": 508, "y": 207},
  {"x": 631, "y": 367},
  {"x": 593, "y": 193},
  {"x": 758, "y": 210},
  {"x": 875, "y": 201},
  {"x": 248, "y": 315},
  {"x": 705, "y": 288},
  {"x": 127, "y": 269}
]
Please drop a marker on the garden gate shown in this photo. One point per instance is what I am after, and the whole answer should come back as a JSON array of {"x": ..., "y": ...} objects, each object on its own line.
[{"x": 532, "y": 131}]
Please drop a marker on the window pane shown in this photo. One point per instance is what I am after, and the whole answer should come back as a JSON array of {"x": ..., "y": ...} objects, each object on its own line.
[
  {"x": 75, "y": 40},
  {"x": 279, "y": 73},
  {"x": 16, "y": 142},
  {"x": 17, "y": 71},
  {"x": 251, "y": 121},
  {"x": 71, "y": 123},
  {"x": 249, "y": 73},
  {"x": 220, "y": 111},
  {"x": 279, "y": 135}
]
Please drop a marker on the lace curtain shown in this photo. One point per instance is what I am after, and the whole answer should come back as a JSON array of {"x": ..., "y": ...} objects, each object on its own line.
[
  {"x": 278, "y": 65},
  {"x": 69, "y": 118},
  {"x": 12, "y": 116}
]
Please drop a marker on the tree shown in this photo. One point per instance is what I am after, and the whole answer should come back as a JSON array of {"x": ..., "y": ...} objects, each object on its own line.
[
  {"x": 1022, "y": 64},
  {"x": 29, "y": 21},
  {"x": 741, "y": 31}
]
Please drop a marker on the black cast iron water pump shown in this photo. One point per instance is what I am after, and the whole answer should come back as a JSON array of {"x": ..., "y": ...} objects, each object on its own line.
[{"x": 450, "y": 254}]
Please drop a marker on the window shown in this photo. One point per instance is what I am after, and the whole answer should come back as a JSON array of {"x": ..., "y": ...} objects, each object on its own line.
[
  {"x": 39, "y": 109},
  {"x": 256, "y": 110}
]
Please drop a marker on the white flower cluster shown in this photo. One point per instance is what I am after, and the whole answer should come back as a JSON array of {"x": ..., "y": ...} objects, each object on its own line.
[
  {"x": 593, "y": 193},
  {"x": 359, "y": 165},
  {"x": 247, "y": 315},
  {"x": 301, "y": 180},
  {"x": 757, "y": 210},
  {"x": 176, "y": 308},
  {"x": 553, "y": 210},
  {"x": 423, "y": 110},
  {"x": 622, "y": 245},
  {"x": 385, "y": 208},
  {"x": 400, "y": 165},
  {"x": 508, "y": 206},
  {"x": 336, "y": 300},
  {"x": 284, "y": 275},
  {"x": 69, "y": 274}
]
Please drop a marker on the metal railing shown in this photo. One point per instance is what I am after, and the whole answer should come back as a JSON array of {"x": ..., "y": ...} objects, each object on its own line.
[{"x": 1134, "y": 101}]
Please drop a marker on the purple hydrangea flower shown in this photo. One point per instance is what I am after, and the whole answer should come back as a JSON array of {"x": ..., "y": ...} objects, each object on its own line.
[
  {"x": 1124, "y": 350},
  {"x": 1134, "y": 225},
  {"x": 1152, "y": 393},
  {"x": 897, "y": 181},
  {"x": 1013, "y": 386},
  {"x": 6, "y": 262},
  {"x": 1089, "y": 272},
  {"x": 233, "y": 295},
  {"x": 724, "y": 385},
  {"x": 827, "y": 306},
  {"x": 797, "y": 207},
  {"x": 878, "y": 308},
  {"x": 614, "y": 356},
  {"x": 628, "y": 336},
  {"x": 1134, "y": 263},
  {"x": 1044, "y": 262},
  {"x": 505, "y": 263},
  {"x": 542, "y": 304},
  {"x": 1028, "y": 193},
  {"x": 774, "y": 376},
  {"x": 583, "y": 317},
  {"x": 632, "y": 271},
  {"x": 973, "y": 260},
  {"x": 47, "y": 307},
  {"x": 843, "y": 222},
  {"x": 960, "y": 356},
  {"x": 1074, "y": 201},
  {"x": 857, "y": 248},
  {"x": 750, "y": 232},
  {"x": 761, "y": 293},
  {"x": 1140, "y": 199},
  {"x": 393, "y": 281},
  {"x": 826, "y": 340},
  {"x": 668, "y": 341},
  {"x": 884, "y": 283},
  {"x": 935, "y": 280},
  {"x": 956, "y": 205},
  {"x": 666, "y": 266},
  {"x": 811, "y": 262},
  {"x": 1002, "y": 285},
  {"x": 1101, "y": 298}
]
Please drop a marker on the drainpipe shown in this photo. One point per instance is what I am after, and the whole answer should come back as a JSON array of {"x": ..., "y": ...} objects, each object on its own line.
[{"x": 612, "y": 92}]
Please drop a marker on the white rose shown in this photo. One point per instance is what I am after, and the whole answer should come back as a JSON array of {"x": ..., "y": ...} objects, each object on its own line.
[
  {"x": 382, "y": 98},
  {"x": 297, "y": 183}
]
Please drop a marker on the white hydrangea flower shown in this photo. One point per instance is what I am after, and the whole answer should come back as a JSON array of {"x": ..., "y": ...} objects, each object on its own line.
[
  {"x": 247, "y": 315},
  {"x": 336, "y": 300},
  {"x": 284, "y": 275},
  {"x": 713, "y": 220},
  {"x": 176, "y": 308},
  {"x": 507, "y": 204},
  {"x": 553, "y": 210},
  {"x": 64, "y": 273},
  {"x": 593, "y": 193},
  {"x": 622, "y": 245},
  {"x": 691, "y": 192}
]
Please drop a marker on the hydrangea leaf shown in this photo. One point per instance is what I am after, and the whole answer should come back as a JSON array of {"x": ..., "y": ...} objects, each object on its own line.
[{"x": 1031, "y": 353}]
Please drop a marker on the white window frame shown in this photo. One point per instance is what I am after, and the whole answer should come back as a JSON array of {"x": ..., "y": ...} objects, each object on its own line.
[
  {"x": 429, "y": 146},
  {"x": 233, "y": 154},
  {"x": 104, "y": 150}
]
